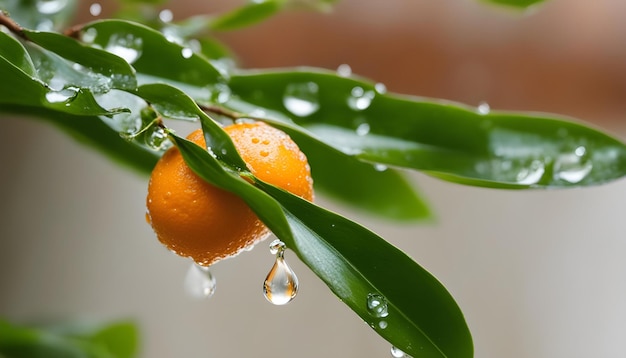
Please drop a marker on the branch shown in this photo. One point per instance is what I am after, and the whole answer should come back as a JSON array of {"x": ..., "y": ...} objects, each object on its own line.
[{"x": 13, "y": 26}]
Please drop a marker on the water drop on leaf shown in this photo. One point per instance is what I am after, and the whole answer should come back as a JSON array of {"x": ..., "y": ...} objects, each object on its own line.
[{"x": 301, "y": 99}]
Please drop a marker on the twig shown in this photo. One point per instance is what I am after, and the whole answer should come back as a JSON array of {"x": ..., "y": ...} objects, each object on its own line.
[{"x": 12, "y": 25}]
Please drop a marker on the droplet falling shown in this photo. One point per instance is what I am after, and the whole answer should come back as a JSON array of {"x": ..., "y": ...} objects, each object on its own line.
[
  {"x": 281, "y": 283},
  {"x": 199, "y": 282}
]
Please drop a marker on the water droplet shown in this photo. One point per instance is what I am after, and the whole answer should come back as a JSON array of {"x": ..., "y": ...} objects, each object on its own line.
[
  {"x": 166, "y": 15},
  {"x": 380, "y": 88},
  {"x": 45, "y": 25},
  {"x": 281, "y": 284},
  {"x": 127, "y": 47},
  {"x": 221, "y": 93},
  {"x": 301, "y": 99},
  {"x": 380, "y": 167},
  {"x": 531, "y": 174},
  {"x": 360, "y": 99},
  {"x": 95, "y": 9},
  {"x": 264, "y": 153},
  {"x": 377, "y": 305},
  {"x": 363, "y": 129},
  {"x": 186, "y": 52},
  {"x": 382, "y": 324},
  {"x": 573, "y": 167},
  {"x": 344, "y": 70},
  {"x": 64, "y": 95},
  {"x": 397, "y": 353},
  {"x": 199, "y": 282},
  {"x": 157, "y": 139},
  {"x": 483, "y": 108},
  {"x": 51, "y": 6}
]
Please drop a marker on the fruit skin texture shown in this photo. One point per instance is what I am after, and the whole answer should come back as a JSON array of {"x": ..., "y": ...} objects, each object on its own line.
[{"x": 196, "y": 219}]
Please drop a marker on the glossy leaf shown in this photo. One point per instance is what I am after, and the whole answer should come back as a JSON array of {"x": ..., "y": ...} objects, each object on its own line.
[
  {"x": 15, "y": 53},
  {"x": 151, "y": 53},
  {"x": 251, "y": 13},
  {"x": 119, "y": 71},
  {"x": 447, "y": 140},
  {"x": 40, "y": 15},
  {"x": 354, "y": 262}
]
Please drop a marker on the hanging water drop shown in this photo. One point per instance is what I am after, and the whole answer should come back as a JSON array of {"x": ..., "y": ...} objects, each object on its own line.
[
  {"x": 377, "y": 305},
  {"x": 95, "y": 9},
  {"x": 483, "y": 108},
  {"x": 398, "y": 353},
  {"x": 281, "y": 283},
  {"x": 301, "y": 99},
  {"x": 64, "y": 95},
  {"x": 199, "y": 282}
]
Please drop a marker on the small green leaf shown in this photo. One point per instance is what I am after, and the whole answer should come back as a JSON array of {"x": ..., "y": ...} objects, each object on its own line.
[
  {"x": 120, "y": 339},
  {"x": 249, "y": 14},
  {"x": 447, "y": 140}
]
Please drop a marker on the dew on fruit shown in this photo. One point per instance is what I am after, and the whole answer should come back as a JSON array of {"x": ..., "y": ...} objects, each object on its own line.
[
  {"x": 50, "y": 7},
  {"x": 95, "y": 9},
  {"x": 199, "y": 282},
  {"x": 301, "y": 99},
  {"x": 483, "y": 108},
  {"x": 360, "y": 99},
  {"x": 344, "y": 70},
  {"x": 573, "y": 167},
  {"x": 377, "y": 305},
  {"x": 126, "y": 46},
  {"x": 281, "y": 284}
]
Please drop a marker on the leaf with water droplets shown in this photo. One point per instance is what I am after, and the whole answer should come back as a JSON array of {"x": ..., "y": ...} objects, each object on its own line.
[
  {"x": 121, "y": 74},
  {"x": 475, "y": 146},
  {"x": 522, "y": 4}
]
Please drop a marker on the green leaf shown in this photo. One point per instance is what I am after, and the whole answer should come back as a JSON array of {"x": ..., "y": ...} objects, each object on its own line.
[
  {"x": 249, "y": 14},
  {"x": 421, "y": 316},
  {"x": 40, "y": 15},
  {"x": 121, "y": 74},
  {"x": 447, "y": 140},
  {"x": 152, "y": 54},
  {"x": 19, "y": 88},
  {"x": 515, "y": 3},
  {"x": 15, "y": 53},
  {"x": 118, "y": 340}
]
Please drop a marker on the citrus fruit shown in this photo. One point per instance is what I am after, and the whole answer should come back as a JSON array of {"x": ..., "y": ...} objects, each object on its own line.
[{"x": 198, "y": 220}]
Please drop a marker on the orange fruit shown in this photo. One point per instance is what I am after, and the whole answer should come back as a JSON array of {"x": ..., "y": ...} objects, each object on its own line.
[{"x": 198, "y": 220}]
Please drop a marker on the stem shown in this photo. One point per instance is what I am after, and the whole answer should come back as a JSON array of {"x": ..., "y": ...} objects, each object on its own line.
[
  {"x": 228, "y": 113},
  {"x": 13, "y": 26}
]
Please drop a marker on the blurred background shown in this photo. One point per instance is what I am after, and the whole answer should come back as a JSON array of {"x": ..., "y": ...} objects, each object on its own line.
[{"x": 537, "y": 274}]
